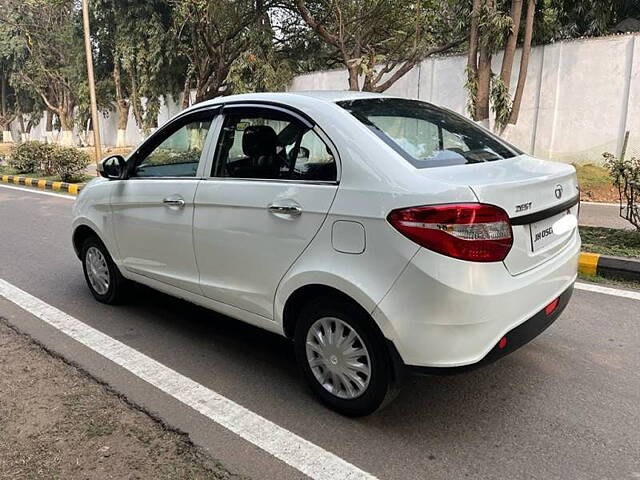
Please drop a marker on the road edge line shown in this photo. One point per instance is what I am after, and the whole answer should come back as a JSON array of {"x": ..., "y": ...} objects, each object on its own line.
[
  {"x": 38, "y": 192},
  {"x": 616, "y": 292},
  {"x": 295, "y": 451}
]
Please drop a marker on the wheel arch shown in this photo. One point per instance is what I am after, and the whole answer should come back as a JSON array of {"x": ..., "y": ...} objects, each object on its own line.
[
  {"x": 80, "y": 233},
  {"x": 302, "y": 295},
  {"x": 299, "y": 297}
]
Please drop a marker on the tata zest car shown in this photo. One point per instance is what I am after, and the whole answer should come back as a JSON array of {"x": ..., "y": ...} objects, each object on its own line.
[{"x": 382, "y": 235}]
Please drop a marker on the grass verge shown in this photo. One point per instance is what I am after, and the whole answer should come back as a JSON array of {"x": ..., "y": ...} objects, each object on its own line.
[
  {"x": 609, "y": 281},
  {"x": 596, "y": 185},
  {"x": 610, "y": 241}
]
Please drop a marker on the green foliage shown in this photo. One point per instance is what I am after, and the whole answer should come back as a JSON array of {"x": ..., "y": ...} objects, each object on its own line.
[
  {"x": 562, "y": 19},
  {"x": 211, "y": 36},
  {"x": 52, "y": 64},
  {"x": 471, "y": 86},
  {"x": 493, "y": 27},
  {"x": 383, "y": 40},
  {"x": 26, "y": 157},
  {"x": 258, "y": 72},
  {"x": 626, "y": 177},
  {"x": 68, "y": 162},
  {"x": 610, "y": 241},
  {"x": 39, "y": 158},
  {"x": 500, "y": 101}
]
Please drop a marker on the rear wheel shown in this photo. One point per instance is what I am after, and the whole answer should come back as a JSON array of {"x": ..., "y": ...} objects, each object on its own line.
[
  {"x": 343, "y": 356},
  {"x": 101, "y": 273}
]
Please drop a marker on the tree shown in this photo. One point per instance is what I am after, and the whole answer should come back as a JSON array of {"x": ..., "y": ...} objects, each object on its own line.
[
  {"x": 54, "y": 66},
  {"x": 211, "y": 36},
  {"x": 492, "y": 30},
  {"x": 29, "y": 110},
  {"x": 10, "y": 49},
  {"x": 263, "y": 66},
  {"x": 380, "y": 41},
  {"x": 7, "y": 105},
  {"x": 133, "y": 37}
]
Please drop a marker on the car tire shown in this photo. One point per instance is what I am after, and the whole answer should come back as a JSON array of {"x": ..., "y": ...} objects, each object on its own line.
[
  {"x": 375, "y": 386},
  {"x": 105, "y": 281}
]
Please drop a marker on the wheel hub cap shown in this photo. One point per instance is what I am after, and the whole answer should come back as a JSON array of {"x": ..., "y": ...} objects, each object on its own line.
[
  {"x": 97, "y": 270},
  {"x": 338, "y": 358}
]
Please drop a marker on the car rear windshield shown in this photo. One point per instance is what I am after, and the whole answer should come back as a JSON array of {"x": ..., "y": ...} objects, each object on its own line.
[{"x": 428, "y": 136}]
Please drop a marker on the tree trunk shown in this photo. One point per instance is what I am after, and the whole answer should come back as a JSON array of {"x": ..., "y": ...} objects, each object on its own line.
[
  {"x": 3, "y": 89},
  {"x": 48, "y": 129},
  {"x": 484, "y": 86},
  {"x": 512, "y": 42},
  {"x": 354, "y": 84},
  {"x": 186, "y": 93},
  {"x": 122, "y": 105},
  {"x": 472, "y": 58},
  {"x": 66, "y": 126},
  {"x": 524, "y": 62}
]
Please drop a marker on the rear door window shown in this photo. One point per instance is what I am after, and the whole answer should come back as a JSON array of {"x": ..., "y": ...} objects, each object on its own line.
[{"x": 271, "y": 145}]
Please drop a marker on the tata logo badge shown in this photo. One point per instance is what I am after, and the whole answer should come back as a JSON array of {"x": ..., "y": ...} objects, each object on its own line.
[{"x": 558, "y": 191}]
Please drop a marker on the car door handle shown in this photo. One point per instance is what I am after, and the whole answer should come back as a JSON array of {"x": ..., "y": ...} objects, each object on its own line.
[
  {"x": 173, "y": 202},
  {"x": 285, "y": 209}
]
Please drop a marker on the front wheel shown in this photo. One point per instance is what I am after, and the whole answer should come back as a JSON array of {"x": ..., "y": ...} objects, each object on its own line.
[
  {"x": 343, "y": 357},
  {"x": 102, "y": 275}
]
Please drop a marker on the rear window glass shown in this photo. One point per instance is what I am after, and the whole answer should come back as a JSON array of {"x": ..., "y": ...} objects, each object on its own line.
[{"x": 428, "y": 136}]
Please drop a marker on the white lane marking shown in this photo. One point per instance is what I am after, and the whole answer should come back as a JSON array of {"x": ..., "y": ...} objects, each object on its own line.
[
  {"x": 40, "y": 192},
  {"x": 608, "y": 290},
  {"x": 297, "y": 452},
  {"x": 601, "y": 204}
]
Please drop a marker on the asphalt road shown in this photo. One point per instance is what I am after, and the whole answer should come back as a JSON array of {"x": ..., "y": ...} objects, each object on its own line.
[{"x": 565, "y": 406}]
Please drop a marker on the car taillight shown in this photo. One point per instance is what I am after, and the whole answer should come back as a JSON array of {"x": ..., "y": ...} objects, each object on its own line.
[{"x": 469, "y": 231}]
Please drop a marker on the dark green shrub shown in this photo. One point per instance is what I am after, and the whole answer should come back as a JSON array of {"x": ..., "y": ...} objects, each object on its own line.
[
  {"x": 626, "y": 176},
  {"x": 68, "y": 163},
  {"x": 44, "y": 159},
  {"x": 26, "y": 157}
]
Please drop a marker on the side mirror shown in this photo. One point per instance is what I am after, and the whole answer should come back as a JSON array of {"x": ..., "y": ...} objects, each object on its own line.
[{"x": 113, "y": 167}]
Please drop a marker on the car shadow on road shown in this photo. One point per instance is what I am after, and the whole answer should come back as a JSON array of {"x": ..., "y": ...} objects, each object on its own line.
[{"x": 264, "y": 364}]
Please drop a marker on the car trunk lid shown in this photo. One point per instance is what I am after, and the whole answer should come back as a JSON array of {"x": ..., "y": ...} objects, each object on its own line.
[{"x": 536, "y": 194}]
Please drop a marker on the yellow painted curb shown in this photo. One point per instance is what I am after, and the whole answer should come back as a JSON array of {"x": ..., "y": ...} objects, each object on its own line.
[
  {"x": 72, "y": 188},
  {"x": 588, "y": 263}
]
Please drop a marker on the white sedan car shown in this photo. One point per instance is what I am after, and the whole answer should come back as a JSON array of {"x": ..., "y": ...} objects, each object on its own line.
[{"x": 382, "y": 235}]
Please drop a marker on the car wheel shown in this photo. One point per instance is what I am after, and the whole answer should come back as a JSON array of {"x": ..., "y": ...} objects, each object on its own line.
[
  {"x": 343, "y": 357},
  {"x": 101, "y": 273}
]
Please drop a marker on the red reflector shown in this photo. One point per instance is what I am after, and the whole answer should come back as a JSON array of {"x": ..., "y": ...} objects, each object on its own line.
[
  {"x": 549, "y": 309},
  {"x": 503, "y": 342}
]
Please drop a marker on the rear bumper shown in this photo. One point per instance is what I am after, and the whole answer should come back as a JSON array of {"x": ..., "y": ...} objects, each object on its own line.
[
  {"x": 447, "y": 313},
  {"x": 516, "y": 338}
]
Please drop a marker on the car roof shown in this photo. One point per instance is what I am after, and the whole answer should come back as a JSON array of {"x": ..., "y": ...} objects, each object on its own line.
[{"x": 327, "y": 96}]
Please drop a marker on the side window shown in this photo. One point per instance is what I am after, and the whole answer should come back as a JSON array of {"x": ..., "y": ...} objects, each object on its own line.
[
  {"x": 178, "y": 154},
  {"x": 271, "y": 145}
]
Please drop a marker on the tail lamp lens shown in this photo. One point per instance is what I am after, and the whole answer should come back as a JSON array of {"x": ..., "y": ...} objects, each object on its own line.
[{"x": 468, "y": 231}]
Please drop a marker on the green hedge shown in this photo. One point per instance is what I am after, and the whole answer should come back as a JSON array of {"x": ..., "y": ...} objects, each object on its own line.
[{"x": 46, "y": 159}]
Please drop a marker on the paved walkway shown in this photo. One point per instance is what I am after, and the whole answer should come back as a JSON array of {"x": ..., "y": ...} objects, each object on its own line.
[{"x": 602, "y": 215}]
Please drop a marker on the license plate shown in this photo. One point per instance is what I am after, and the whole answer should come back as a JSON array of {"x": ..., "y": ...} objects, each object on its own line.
[{"x": 542, "y": 234}]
